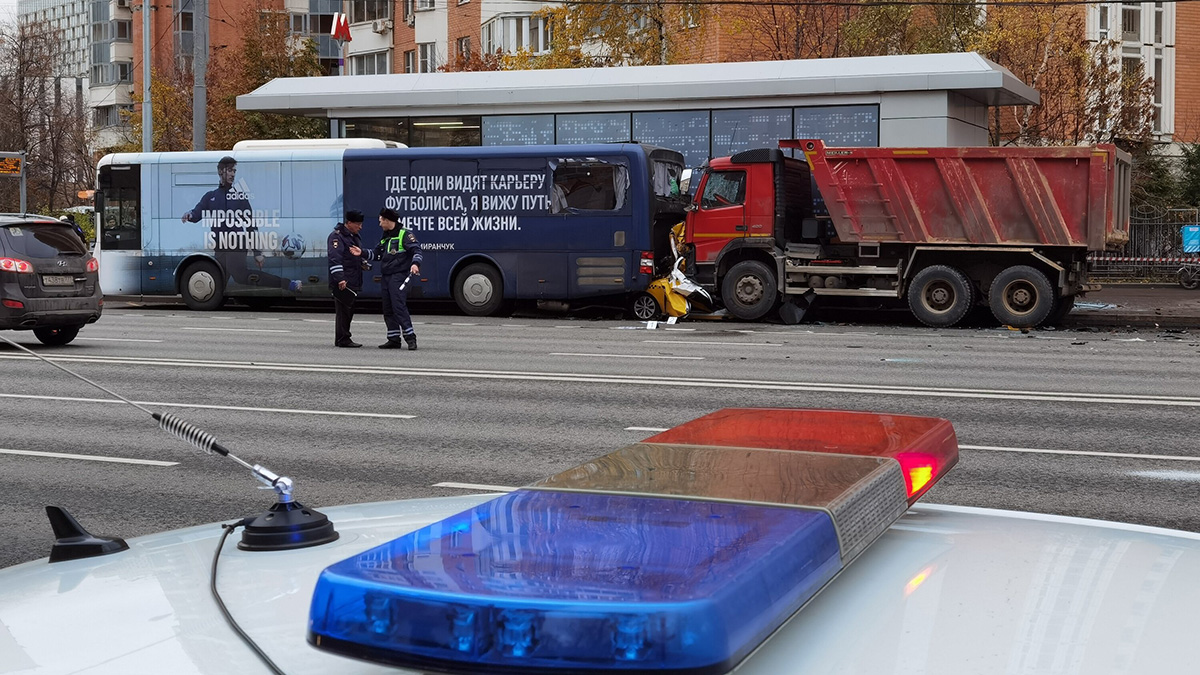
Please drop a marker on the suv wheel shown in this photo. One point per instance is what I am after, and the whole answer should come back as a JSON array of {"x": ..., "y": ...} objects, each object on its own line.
[{"x": 56, "y": 337}]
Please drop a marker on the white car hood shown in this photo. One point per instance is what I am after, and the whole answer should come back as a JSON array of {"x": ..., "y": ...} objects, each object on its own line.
[{"x": 946, "y": 590}]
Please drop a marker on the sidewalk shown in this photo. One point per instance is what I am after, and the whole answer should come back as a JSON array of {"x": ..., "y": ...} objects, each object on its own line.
[{"x": 1138, "y": 306}]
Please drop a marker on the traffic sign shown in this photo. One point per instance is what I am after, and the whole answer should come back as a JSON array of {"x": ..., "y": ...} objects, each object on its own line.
[{"x": 10, "y": 164}]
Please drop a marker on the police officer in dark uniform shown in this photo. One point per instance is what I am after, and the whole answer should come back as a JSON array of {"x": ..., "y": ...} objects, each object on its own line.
[
  {"x": 401, "y": 260},
  {"x": 346, "y": 264}
]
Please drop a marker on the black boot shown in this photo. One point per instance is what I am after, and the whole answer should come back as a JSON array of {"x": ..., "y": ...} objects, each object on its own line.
[
  {"x": 392, "y": 344},
  {"x": 412, "y": 342}
]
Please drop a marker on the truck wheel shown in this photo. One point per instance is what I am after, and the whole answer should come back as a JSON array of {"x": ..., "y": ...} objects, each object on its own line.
[
  {"x": 939, "y": 296},
  {"x": 749, "y": 290},
  {"x": 1062, "y": 307},
  {"x": 478, "y": 290},
  {"x": 644, "y": 307},
  {"x": 203, "y": 286},
  {"x": 56, "y": 337},
  {"x": 1021, "y": 297}
]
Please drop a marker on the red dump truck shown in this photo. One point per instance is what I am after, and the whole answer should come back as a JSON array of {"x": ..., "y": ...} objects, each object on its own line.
[{"x": 944, "y": 229}]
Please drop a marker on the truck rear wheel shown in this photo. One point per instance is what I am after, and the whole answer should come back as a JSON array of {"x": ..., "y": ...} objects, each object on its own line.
[
  {"x": 1021, "y": 297},
  {"x": 749, "y": 290},
  {"x": 939, "y": 296}
]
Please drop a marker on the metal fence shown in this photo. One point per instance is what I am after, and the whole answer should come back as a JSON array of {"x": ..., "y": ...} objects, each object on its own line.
[{"x": 1155, "y": 247}]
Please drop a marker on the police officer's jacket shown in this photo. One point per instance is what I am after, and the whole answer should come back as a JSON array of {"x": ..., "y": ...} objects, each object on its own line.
[
  {"x": 399, "y": 250},
  {"x": 344, "y": 265}
]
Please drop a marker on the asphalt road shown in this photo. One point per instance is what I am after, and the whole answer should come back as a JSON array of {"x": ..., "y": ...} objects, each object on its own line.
[{"x": 1087, "y": 423}]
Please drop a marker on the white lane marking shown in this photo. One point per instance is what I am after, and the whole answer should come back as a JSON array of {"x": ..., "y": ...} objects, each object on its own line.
[
  {"x": 90, "y": 458},
  {"x": 642, "y": 381},
  {"x": 681, "y": 330},
  {"x": 1086, "y": 453},
  {"x": 720, "y": 344},
  {"x": 316, "y": 320},
  {"x": 95, "y": 339},
  {"x": 513, "y": 325},
  {"x": 167, "y": 404},
  {"x": 655, "y": 429},
  {"x": 238, "y": 330},
  {"x": 568, "y": 327},
  {"x": 476, "y": 486},
  {"x": 464, "y": 324},
  {"x": 1174, "y": 474},
  {"x": 631, "y": 356},
  {"x": 268, "y": 318}
]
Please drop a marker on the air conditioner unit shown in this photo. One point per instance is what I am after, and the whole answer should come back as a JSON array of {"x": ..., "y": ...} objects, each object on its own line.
[
  {"x": 123, "y": 3},
  {"x": 411, "y": 19},
  {"x": 381, "y": 25}
]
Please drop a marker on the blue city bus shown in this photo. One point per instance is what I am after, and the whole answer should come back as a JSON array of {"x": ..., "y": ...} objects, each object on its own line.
[{"x": 558, "y": 222}]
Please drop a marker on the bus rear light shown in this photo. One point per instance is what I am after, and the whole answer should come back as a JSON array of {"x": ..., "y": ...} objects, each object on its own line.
[
  {"x": 647, "y": 263},
  {"x": 93, "y": 265},
  {"x": 13, "y": 304},
  {"x": 16, "y": 265}
]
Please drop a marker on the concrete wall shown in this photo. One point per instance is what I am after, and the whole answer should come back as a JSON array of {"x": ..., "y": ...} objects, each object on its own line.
[{"x": 931, "y": 118}]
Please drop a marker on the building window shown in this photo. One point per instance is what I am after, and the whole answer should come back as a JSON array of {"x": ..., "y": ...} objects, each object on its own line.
[
  {"x": 462, "y": 47},
  {"x": 123, "y": 30},
  {"x": 370, "y": 10},
  {"x": 184, "y": 22},
  {"x": 428, "y": 57},
  {"x": 1103, "y": 24},
  {"x": 375, "y": 63},
  {"x": 410, "y": 8},
  {"x": 511, "y": 33},
  {"x": 124, "y": 72},
  {"x": 1131, "y": 22},
  {"x": 424, "y": 4},
  {"x": 410, "y": 58},
  {"x": 299, "y": 23}
]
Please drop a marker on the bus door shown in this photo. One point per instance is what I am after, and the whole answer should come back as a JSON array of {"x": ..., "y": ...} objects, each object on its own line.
[
  {"x": 119, "y": 230},
  {"x": 311, "y": 205},
  {"x": 594, "y": 196}
]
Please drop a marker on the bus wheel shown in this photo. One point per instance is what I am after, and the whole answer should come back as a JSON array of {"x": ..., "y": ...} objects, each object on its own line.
[
  {"x": 56, "y": 337},
  {"x": 1021, "y": 297},
  {"x": 478, "y": 290},
  {"x": 939, "y": 296},
  {"x": 644, "y": 307},
  {"x": 749, "y": 290},
  {"x": 203, "y": 286}
]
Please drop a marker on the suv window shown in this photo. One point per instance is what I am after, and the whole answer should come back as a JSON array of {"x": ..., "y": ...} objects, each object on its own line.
[{"x": 41, "y": 240}]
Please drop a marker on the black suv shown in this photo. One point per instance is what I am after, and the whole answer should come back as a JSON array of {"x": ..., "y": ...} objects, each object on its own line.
[{"x": 49, "y": 283}]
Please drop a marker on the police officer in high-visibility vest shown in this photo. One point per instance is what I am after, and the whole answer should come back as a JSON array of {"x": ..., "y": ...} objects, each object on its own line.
[{"x": 401, "y": 261}]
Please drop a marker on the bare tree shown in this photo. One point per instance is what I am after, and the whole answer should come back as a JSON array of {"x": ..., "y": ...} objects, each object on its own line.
[{"x": 41, "y": 117}]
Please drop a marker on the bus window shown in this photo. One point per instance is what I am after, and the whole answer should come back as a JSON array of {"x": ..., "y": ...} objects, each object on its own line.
[
  {"x": 118, "y": 206},
  {"x": 589, "y": 185},
  {"x": 666, "y": 178}
]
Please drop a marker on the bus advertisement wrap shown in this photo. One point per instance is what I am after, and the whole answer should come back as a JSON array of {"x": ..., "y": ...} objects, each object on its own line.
[{"x": 496, "y": 223}]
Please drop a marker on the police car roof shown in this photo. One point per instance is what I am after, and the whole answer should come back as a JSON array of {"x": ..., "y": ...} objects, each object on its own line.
[{"x": 944, "y": 590}]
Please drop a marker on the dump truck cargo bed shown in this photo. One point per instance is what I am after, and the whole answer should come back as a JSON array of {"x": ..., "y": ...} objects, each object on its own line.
[{"x": 993, "y": 196}]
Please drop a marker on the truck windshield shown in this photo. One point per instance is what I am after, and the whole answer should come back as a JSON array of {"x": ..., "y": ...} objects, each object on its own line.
[{"x": 723, "y": 188}]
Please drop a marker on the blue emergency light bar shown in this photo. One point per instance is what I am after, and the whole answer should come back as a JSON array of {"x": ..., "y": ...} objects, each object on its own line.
[{"x": 659, "y": 557}]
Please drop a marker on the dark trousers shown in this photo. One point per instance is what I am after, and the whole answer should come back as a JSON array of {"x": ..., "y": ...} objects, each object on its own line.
[
  {"x": 343, "y": 314},
  {"x": 395, "y": 306}
]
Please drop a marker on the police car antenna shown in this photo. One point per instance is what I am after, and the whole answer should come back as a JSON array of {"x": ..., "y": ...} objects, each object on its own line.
[{"x": 286, "y": 525}]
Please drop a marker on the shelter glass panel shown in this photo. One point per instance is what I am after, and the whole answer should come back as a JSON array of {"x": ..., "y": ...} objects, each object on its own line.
[
  {"x": 839, "y": 125},
  {"x": 518, "y": 130},
  {"x": 593, "y": 128},
  {"x": 686, "y": 131},
  {"x": 737, "y": 130}
]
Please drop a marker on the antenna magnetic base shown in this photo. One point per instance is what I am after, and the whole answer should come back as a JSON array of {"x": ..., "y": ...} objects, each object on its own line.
[{"x": 286, "y": 526}]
